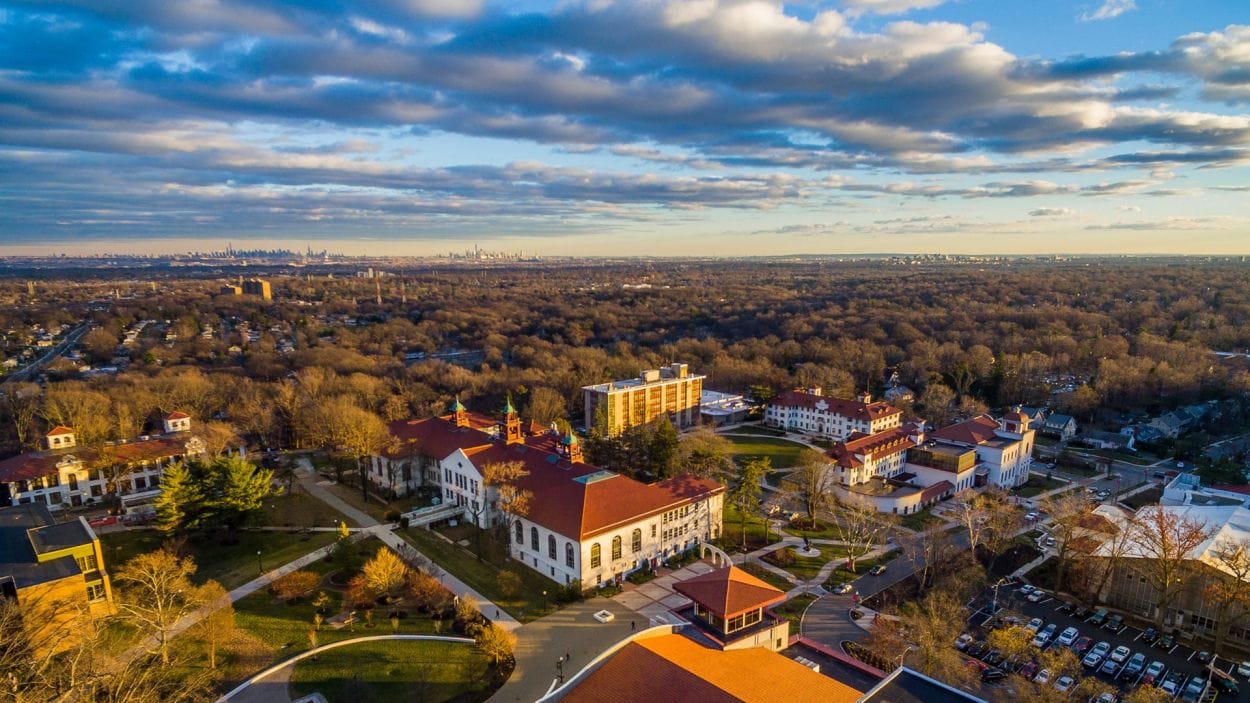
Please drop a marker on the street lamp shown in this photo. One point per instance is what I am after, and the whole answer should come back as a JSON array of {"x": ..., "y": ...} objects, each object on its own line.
[
  {"x": 559, "y": 670},
  {"x": 994, "y": 607},
  {"x": 260, "y": 569}
]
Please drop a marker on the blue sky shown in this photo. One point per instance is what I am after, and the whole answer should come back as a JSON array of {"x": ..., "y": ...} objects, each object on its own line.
[{"x": 648, "y": 127}]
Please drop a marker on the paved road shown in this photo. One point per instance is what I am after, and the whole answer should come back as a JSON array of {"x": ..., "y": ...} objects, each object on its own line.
[
  {"x": 65, "y": 345},
  {"x": 1180, "y": 657}
]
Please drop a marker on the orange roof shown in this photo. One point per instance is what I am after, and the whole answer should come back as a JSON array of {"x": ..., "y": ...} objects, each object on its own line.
[
  {"x": 33, "y": 465},
  {"x": 577, "y": 500},
  {"x": 854, "y": 409},
  {"x": 978, "y": 430},
  {"x": 59, "y": 430},
  {"x": 729, "y": 591},
  {"x": 884, "y": 443},
  {"x": 676, "y": 668},
  {"x": 177, "y": 415}
]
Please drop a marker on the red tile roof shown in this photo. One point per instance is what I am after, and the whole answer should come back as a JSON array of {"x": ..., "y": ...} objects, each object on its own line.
[
  {"x": 574, "y": 499},
  {"x": 177, "y": 415},
  {"x": 59, "y": 430},
  {"x": 874, "y": 446},
  {"x": 32, "y": 465},
  {"x": 854, "y": 409},
  {"x": 978, "y": 430},
  {"x": 935, "y": 491},
  {"x": 729, "y": 591},
  {"x": 676, "y": 668}
]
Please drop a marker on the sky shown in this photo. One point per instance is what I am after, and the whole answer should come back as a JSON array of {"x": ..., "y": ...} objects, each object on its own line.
[{"x": 647, "y": 127}]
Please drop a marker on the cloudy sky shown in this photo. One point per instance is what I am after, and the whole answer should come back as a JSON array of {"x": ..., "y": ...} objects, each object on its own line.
[{"x": 642, "y": 127}]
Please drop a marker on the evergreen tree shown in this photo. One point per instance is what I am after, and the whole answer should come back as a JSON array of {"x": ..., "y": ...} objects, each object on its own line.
[
  {"x": 238, "y": 490},
  {"x": 180, "y": 501},
  {"x": 745, "y": 496},
  {"x": 662, "y": 447}
]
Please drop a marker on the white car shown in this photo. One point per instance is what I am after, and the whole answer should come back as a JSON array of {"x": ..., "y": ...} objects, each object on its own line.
[
  {"x": 1026, "y": 589},
  {"x": 1037, "y": 595},
  {"x": 1035, "y": 624},
  {"x": 1042, "y": 677},
  {"x": 1119, "y": 654},
  {"x": 844, "y": 588},
  {"x": 1065, "y": 684},
  {"x": 1243, "y": 669},
  {"x": 1031, "y": 517},
  {"x": 1067, "y": 637}
]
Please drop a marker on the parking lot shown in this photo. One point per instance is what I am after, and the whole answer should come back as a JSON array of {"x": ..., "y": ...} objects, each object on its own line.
[{"x": 1178, "y": 658}]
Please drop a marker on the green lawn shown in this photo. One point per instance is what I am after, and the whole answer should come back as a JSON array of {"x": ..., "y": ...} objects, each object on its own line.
[
  {"x": 766, "y": 576},
  {"x": 731, "y": 538},
  {"x": 230, "y": 564},
  {"x": 1036, "y": 485},
  {"x": 782, "y": 452},
  {"x": 482, "y": 575},
  {"x": 395, "y": 672},
  {"x": 757, "y": 429},
  {"x": 921, "y": 520},
  {"x": 298, "y": 509},
  {"x": 823, "y": 531},
  {"x": 806, "y": 568},
  {"x": 793, "y": 610}
]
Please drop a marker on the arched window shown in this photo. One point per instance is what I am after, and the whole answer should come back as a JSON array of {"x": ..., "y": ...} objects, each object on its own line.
[
  {"x": 568, "y": 554},
  {"x": 520, "y": 534},
  {"x": 594, "y": 556},
  {"x": 616, "y": 547},
  {"x": 551, "y": 546},
  {"x": 636, "y": 542},
  {"x": 534, "y": 538}
]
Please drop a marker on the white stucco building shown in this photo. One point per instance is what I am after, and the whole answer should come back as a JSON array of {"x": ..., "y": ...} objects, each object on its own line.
[{"x": 811, "y": 412}]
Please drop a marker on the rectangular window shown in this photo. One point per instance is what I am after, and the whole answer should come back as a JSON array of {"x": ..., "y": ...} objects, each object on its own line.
[
  {"x": 95, "y": 591},
  {"x": 87, "y": 564}
]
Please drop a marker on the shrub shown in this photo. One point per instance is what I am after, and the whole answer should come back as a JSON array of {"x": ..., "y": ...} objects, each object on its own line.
[
  {"x": 391, "y": 515},
  {"x": 570, "y": 592},
  {"x": 295, "y": 585},
  {"x": 509, "y": 583},
  {"x": 784, "y": 556}
]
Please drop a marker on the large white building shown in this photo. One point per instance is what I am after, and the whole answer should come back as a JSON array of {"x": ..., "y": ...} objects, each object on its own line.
[
  {"x": 583, "y": 523},
  {"x": 1004, "y": 447},
  {"x": 66, "y": 474},
  {"x": 810, "y": 412}
]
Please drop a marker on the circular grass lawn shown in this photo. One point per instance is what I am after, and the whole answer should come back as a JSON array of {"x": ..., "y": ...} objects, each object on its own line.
[{"x": 395, "y": 671}]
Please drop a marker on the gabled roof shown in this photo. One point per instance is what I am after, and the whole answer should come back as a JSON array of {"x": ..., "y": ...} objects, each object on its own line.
[
  {"x": 32, "y": 465},
  {"x": 885, "y": 443},
  {"x": 978, "y": 430},
  {"x": 177, "y": 415},
  {"x": 729, "y": 591},
  {"x": 1058, "y": 420},
  {"x": 676, "y": 668},
  {"x": 60, "y": 430},
  {"x": 854, "y": 409}
]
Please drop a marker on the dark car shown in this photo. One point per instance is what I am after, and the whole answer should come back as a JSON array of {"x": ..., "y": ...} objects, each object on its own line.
[
  {"x": 1082, "y": 645},
  {"x": 877, "y": 570},
  {"x": 1099, "y": 617},
  {"x": 1115, "y": 623},
  {"x": 1150, "y": 635},
  {"x": 994, "y": 658},
  {"x": 1165, "y": 642},
  {"x": 1203, "y": 657},
  {"x": 978, "y": 649},
  {"x": 1028, "y": 670},
  {"x": 1224, "y": 682},
  {"x": 993, "y": 675},
  {"x": 1080, "y": 612}
]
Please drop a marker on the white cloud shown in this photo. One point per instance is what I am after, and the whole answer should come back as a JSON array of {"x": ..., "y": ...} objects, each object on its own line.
[
  {"x": 1110, "y": 9},
  {"x": 887, "y": 7}
]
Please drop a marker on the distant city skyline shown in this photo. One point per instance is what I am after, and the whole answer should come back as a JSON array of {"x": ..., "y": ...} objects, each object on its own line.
[{"x": 601, "y": 128}]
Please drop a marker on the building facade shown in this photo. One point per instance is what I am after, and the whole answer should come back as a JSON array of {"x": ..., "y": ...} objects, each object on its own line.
[
  {"x": 671, "y": 390},
  {"x": 583, "y": 523},
  {"x": 1004, "y": 447},
  {"x": 54, "y": 571},
  {"x": 811, "y": 412},
  {"x": 69, "y": 475}
]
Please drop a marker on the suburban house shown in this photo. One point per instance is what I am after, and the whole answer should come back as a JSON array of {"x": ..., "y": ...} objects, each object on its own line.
[
  {"x": 1171, "y": 425},
  {"x": 1099, "y": 439},
  {"x": 53, "y": 571},
  {"x": 1059, "y": 426},
  {"x": 68, "y": 474},
  {"x": 583, "y": 524},
  {"x": 811, "y": 412}
]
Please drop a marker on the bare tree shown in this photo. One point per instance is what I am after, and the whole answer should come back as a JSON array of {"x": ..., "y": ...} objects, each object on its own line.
[
  {"x": 1229, "y": 586},
  {"x": 21, "y": 405},
  {"x": 813, "y": 483},
  {"x": 859, "y": 527},
  {"x": 510, "y": 500},
  {"x": 156, "y": 593},
  {"x": 1069, "y": 512},
  {"x": 1163, "y": 542}
]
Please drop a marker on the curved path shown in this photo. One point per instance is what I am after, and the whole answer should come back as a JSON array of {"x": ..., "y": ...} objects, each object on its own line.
[{"x": 270, "y": 685}]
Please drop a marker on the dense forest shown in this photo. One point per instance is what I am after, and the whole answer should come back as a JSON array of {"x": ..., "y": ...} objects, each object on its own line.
[{"x": 1088, "y": 336}]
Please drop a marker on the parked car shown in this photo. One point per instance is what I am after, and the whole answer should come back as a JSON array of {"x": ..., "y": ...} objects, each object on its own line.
[
  {"x": 1149, "y": 635},
  {"x": 1224, "y": 682},
  {"x": 1135, "y": 664},
  {"x": 1115, "y": 623},
  {"x": 1099, "y": 617},
  {"x": 1119, "y": 654},
  {"x": 1154, "y": 672},
  {"x": 1243, "y": 669},
  {"x": 1193, "y": 690},
  {"x": 1095, "y": 656},
  {"x": 1203, "y": 657},
  {"x": 1049, "y": 541},
  {"x": 1105, "y": 697},
  {"x": 843, "y": 588},
  {"x": 1031, "y": 517},
  {"x": 1166, "y": 642},
  {"x": 1042, "y": 676},
  {"x": 993, "y": 675},
  {"x": 1043, "y": 637},
  {"x": 1029, "y": 670},
  {"x": 962, "y": 642},
  {"x": 978, "y": 649},
  {"x": 877, "y": 570},
  {"x": 1172, "y": 682},
  {"x": 994, "y": 658},
  {"x": 1035, "y": 624},
  {"x": 1065, "y": 684},
  {"x": 1080, "y": 612},
  {"x": 1110, "y": 666},
  {"x": 1067, "y": 637},
  {"x": 1036, "y": 596},
  {"x": 1082, "y": 645}
]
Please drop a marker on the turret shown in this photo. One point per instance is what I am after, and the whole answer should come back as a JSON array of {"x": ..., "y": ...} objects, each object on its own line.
[
  {"x": 510, "y": 426},
  {"x": 460, "y": 415},
  {"x": 571, "y": 448}
]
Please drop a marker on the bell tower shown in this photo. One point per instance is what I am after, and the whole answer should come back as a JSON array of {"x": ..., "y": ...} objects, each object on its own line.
[
  {"x": 571, "y": 448},
  {"x": 459, "y": 414},
  {"x": 511, "y": 423}
]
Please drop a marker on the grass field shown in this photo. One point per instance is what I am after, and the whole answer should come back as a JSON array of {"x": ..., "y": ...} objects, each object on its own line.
[
  {"x": 766, "y": 576},
  {"x": 842, "y": 574},
  {"x": 921, "y": 520},
  {"x": 298, "y": 509},
  {"x": 782, "y": 452},
  {"x": 731, "y": 538},
  {"x": 230, "y": 564},
  {"x": 757, "y": 429},
  {"x": 1038, "y": 484},
  {"x": 793, "y": 610},
  {"x": 807, "y": 568},
  {"x": 395, "y": 672},
  {"x": 526, "y": 604}
]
